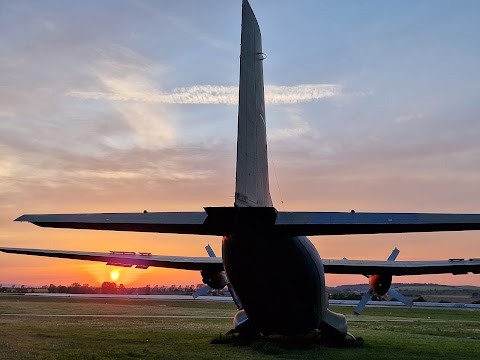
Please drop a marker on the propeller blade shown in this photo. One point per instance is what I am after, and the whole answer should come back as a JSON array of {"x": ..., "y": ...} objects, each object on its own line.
[
  {"x": 210, "y": 251},
  {"x": 400, "y": 297},
  {"x": 201, "y": 292},
  {"x": 361, "y": 304},
  {"x": 393, "y": 255},
  {"x": 234, "y": 296}
]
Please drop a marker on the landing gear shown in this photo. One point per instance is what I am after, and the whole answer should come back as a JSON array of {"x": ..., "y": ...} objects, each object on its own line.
[{"x": 243, "y": 326}]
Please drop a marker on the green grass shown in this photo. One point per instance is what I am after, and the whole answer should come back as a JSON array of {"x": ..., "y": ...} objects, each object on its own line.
[
  {"x": 48, "y": 305},
  {"x": 387, "y": 333}
]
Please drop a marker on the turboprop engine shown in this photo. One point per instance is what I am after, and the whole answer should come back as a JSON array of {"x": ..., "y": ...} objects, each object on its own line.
[
  {"x": 216, "y": 280},
  {"x": 380, "y": 285},
  {"x": 212, "y": 279}
]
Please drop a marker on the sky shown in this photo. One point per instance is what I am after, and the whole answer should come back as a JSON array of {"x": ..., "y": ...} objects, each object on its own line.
[{"x": 122, "y": 106}]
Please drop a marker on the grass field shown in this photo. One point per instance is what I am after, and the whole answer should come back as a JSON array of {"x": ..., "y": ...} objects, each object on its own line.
[{"x": 387, "y": 333}]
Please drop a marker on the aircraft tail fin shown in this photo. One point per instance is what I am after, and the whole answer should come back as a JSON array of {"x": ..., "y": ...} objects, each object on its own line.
[{"x": 252, "y": 187}]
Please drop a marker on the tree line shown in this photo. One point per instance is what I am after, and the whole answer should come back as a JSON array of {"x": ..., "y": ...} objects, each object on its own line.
[{"x": 107, "y": 287}]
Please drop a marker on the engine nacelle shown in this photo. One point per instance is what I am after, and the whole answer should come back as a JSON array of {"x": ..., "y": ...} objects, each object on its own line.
[
  {"x": 380, "y": 284},
  {"x": 216, "y": 280}
]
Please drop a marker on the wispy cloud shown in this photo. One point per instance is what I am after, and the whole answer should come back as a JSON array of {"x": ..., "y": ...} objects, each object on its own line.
[
  {"x": 301, "y": 93},
  {"x": 181, "y": 25},
  {"x": 408, "y": 118},
  {"x": 212, "y": 94},
  {"x": 298, "y": 126},
  {"x": 153, "y": 174},
  {"x": 126, "y": 73}
]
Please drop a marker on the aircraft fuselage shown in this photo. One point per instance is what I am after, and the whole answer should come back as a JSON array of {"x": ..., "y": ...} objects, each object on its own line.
[{"x": 279, "y": 280}]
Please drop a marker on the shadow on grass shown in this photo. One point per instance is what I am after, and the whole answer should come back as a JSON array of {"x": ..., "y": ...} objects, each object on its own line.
[{"x": 275, "y": 344}]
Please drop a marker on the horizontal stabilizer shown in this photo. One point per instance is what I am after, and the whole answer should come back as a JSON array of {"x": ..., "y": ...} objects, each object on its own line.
[
  {"x": 345, "y": 223},
  {"x": 227, "y": 220},
  {"x": 161, "y": 222}
]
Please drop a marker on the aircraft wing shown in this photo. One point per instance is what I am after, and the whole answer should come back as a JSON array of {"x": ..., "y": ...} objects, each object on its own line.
[
  {"x": 145, "y": 260},
  {"x": 224, "y": 221},
  {"x": 398, "y": 268},
  {"x": 129, "y": 259}
]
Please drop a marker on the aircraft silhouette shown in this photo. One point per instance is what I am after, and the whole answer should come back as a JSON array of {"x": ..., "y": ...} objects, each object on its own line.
[{"x": 264, "y": 252}]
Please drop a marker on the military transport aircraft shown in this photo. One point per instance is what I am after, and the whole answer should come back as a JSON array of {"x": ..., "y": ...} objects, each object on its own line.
[{"x": 264, "y": 250}]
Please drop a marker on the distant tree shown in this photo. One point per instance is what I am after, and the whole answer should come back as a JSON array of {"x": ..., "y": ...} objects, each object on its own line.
[
  {"x": 86, "y": 289},
  {"x": 346, "y": 296},
  {"x": 121, "y": 289},
  {"x": 75, "y": 288},
  {"x": 52, "y": 288},
  {"x": 109, "y": 288},
  {"x": 62, "y": 289}
]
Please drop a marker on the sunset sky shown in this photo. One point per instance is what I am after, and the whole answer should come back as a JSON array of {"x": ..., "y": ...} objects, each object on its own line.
[{"x": 121, "y": 106}]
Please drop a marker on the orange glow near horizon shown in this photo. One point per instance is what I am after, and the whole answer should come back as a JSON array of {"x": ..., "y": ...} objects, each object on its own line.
[
  {"x": 39, "y": 271},
  {"x": 73, "y": 198}
]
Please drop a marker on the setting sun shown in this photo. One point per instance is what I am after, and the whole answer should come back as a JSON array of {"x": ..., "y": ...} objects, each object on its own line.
[{"x": 114, "y": 275}]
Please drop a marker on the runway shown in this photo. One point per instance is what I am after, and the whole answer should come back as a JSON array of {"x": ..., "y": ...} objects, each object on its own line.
[
  {"x": 400, "y": 304},
  {"x": 142, "y": 297},
  {"x": 229, "y": 299}
]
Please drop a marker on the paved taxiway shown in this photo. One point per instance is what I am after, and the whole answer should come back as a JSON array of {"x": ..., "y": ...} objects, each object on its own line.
[
  {"x": 143, "y": 297},
  {"x": 229, "y": 299},
  {"x": 223, "y": 299}
]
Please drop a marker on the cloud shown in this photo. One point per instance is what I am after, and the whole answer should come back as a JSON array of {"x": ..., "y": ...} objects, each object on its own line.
[
  {"x": 4, "y": 113},
  {"x": 298, "y": 126},
  {"x": 210, "y": 94},
  {"x": 408, "y": 118},
  {"x": 197, "y": 33},
  {"x": 122, "y": 71},
  {"x": 181, "y": 25},
  {"x": 301, "y": 93},
  {"x": 7, "y": 172}
]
